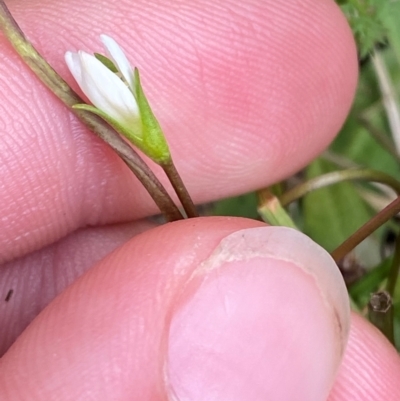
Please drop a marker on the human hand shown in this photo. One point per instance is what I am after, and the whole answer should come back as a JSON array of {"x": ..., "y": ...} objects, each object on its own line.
[{"x": 247, "y": 93}]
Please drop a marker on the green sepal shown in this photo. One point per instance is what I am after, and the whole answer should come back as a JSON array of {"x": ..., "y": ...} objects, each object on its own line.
[
  {"x": 160, "y": 157},
  {"x": 135, "y": 139},
  {"x": 154, "y": 142},
  {"x": 107, "y": 62},
  {"x": 151, "y": 140}
]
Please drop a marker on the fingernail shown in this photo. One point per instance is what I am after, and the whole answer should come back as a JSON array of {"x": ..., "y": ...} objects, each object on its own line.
[{"x": 265, "y": 317}]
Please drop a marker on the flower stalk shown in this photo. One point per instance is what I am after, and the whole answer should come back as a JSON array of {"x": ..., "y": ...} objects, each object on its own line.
[
  {"x": 180, "y": 189},
  {"x": 367, "y": 229},
  {"x": 61, "y": 89}
]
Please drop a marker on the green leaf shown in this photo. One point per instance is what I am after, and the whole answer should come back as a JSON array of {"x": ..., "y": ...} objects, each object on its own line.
[
  {"x": 365, "y": 19},
  {"x": 390, "y": 17},
  {"x": 333, "y": 213}
]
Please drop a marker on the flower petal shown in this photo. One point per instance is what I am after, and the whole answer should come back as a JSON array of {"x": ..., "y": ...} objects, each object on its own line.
[
  {"x": 74, "y": 65},
  {"x": 118, "y": 57},
  {"x": 107, "y": 92}
]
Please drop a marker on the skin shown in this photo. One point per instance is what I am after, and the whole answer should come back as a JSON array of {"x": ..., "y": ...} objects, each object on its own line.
[{"x": 260, "y": 88}]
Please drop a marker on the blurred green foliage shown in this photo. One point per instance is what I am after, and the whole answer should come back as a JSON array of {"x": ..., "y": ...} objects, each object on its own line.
[
  {"x": 329, "y": 215},
  {"x": 367, "y": 21},
  {"x": 340, "y": 211},
  {"x": 239, "y": 206}
]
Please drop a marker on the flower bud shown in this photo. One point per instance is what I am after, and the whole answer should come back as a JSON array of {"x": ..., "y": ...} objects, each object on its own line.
[{"x": 118, "y": 98}]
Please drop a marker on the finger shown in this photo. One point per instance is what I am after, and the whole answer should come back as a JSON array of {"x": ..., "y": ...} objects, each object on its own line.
[
  {"x": 370, "y": 369},
  {"x": 212, "y": 314},
  {"x": 28, "y": 284},
  {"x": 246, "y": 96}
]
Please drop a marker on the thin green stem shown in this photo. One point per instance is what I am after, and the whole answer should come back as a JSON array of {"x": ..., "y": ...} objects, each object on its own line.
[
  {"x": 180, "y": 189},
  {"x": 339, "y": 160},
  {"x": 380, "y": 313},
  {"x": 336, "y": 177},
  {"x": 368, "y": 228},
  {"x": 394, "y": 269},
  {"x": 61, "y": 89}
]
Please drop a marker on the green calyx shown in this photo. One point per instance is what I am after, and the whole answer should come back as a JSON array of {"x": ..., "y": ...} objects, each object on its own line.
[
  {"x": 151, "y": 140},
  {"x": 120, "y": 128},
  {"x": 153, "y": 137}
]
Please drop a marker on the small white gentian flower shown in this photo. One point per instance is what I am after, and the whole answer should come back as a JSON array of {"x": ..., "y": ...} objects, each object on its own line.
[{"x": 114, "y": 89}]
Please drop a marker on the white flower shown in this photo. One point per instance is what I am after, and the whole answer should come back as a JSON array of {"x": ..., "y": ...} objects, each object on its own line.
[
  {"x": 105, "y": 89},
  {"x": 119, "y": 100},
  {"x": 118, "y": 57}
]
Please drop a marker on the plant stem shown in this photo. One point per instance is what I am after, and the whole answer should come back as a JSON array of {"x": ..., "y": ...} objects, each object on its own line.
[
  {"x": 394, "y": 269},
  {"x": 380, "y": 312},
  {"x": 339, "y": 160},
  {"x": 180, "y": 189},
  {"x": 61, "y": 89},
  {"x": 380, "y": 137},
  {"x": 336, "y": 177},
  {"x": 271, "y": 210},
  {"x": 368, "y": 228}
]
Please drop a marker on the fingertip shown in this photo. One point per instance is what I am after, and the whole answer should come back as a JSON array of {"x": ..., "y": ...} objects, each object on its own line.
[{"x": 370, "y": 368}]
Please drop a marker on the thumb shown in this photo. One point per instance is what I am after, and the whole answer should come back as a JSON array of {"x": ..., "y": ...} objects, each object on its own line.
[
  {"x": 265, "y": 317},
  {"x": 206, "y": 309}
]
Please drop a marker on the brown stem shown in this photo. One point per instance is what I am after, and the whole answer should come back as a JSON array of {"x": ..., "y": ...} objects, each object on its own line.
[
  {"x": 180, "y": 189},
  {"x": 368, "y": 228},
  {"x": 61, "y": 89},
  {"x": 394, "y": 269}
]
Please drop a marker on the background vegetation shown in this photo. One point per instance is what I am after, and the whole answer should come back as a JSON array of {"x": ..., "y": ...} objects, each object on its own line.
[{"x": 370, "y": 139}]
